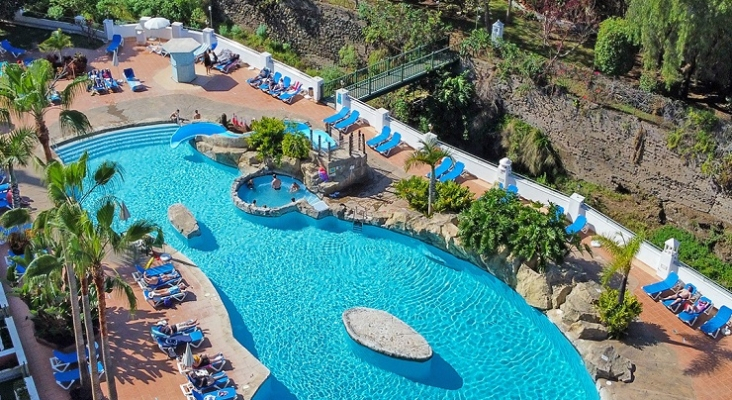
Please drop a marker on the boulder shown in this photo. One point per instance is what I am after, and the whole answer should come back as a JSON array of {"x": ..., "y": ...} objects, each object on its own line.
[
  {"x": 559, "y": 294},
  {"x": 606, "y": 363},
  {"x": 534, "y": 288},
  {"x": 183, "y": 220},
  {"x": 588, "y": 330},
  {"x": 580, "y": 303},
  {"x": 386, "y": 334},
  {"x": 290, "y": 166}
]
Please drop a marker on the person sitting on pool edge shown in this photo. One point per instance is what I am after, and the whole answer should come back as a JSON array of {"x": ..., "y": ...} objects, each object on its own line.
[
  {"x": 294, "y": 188},
  {"x": 276, "y": 182}
]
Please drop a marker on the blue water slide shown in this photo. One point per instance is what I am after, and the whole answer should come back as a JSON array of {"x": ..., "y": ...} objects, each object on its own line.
[{"x": 190, "y": 131}]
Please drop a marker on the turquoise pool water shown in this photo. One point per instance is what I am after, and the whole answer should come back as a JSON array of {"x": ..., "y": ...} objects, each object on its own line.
[
  {"x": 266, "y": 196},
  {"x": 287, "y": 280}
]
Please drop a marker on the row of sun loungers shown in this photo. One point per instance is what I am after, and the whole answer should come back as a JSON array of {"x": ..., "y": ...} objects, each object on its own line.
[
  {"x": 66, "y": 369},
  {"x": 701, "y": 305},
  {"x": 206, "y": 380},
  {"x": 276, "y": 85},
  {"x": 344, "y": 120}
]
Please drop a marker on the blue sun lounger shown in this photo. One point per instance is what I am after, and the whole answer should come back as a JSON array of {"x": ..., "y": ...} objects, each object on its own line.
[
  {"x": 265, "y": 86},
  {"x": 16, "y": 52},
  {"x": 175, "y": 295},
  {"x": 380, "y": 138},
  {"x": 454, "y": 173},
  {"x": 577, "y": 226},
  {"x": 338, "y": 116},
  {"x": 195, "y": 339},
  {"x": 393, "y": 143},
  {"x": 445, "y": 165},
  {"x": 715, "y": 325},
  {"x": 655, "y": 289},
  {"x": 68, "y": 378},
  {"x": 159, "y": 284},
  {"x": 154, "y": 271},
  {"x": 351, "y": 120},
  {"x": 221, "y": 394},
  {"x": 115, "y": 44},
  {"x": 155, "y": 332},
  {"x": 132, "y": 81},
  {"x": 690, "y": 317},
  {"x": 221, "y": 382},
  {"x": 675, "y": 307},
  {"x": 60, "y": 362}
]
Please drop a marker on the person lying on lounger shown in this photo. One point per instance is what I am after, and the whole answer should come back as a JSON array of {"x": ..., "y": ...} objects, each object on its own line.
[
  {"x": 683, "y": 295},
  {"x": 700, "y": 306},
  {"x": 201, "y": 381},
  {"x": 168, "y": 329},
  {"x": 168, "y": 291},
  {"x": 158, "y": 279},
  {"x": 201, "y": 361}
]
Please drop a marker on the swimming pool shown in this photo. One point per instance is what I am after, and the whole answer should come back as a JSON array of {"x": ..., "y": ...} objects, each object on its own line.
[
  {"x": 266, "y": 196},
  {"x": 318, "y": 134},
  {"x": 286, "y": 281}
]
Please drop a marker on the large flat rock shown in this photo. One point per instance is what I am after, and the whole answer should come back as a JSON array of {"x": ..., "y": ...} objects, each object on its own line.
[{"x": 386, "y": 334}]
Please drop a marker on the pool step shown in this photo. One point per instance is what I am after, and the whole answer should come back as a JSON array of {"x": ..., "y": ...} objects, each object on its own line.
[
  {"x": 118, "y": 140},
  {"x": 358, "y": 226}
]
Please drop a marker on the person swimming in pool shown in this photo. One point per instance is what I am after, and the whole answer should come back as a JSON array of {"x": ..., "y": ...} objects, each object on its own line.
[
  {"x": 294, "y": 188},
  {"x": 250, "y": 183},
  {"x": 276, "y": 182}
]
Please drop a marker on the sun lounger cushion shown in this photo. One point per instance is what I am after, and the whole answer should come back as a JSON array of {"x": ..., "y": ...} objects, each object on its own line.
[
  {"x": 338, "y": 116},
  {"x": 452, "y": 174},
  {"x": 387, "y": 147},
  {"x": 381, "y": 138},
  {"x": 348, "y": 122},
  {"x": 655, "y": 289},
  {"x": 715, "y": 325}
]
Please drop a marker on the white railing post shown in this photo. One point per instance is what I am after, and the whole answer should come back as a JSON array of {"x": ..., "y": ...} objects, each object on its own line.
[
  {"x": 504, "y": 172},
  {"x": 575, "y": 209},
  {"x": 342, "y": 99},
  {"x": 382, "y": 120},
  {"x": 267, "y": 61},
  {"x": 109, "y": 28},
  {"x": 317, "y": 89},
  {"x": 208, "y": 37},
  {"x": 176, "y": 30},
  {"x": 668, "y": 260}
]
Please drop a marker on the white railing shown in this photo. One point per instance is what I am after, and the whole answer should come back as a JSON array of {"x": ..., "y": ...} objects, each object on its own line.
[
  {"x": 366, "y": 112},
  {"x": 410, "y": 136},
  {"x": 52, "y": 25}
]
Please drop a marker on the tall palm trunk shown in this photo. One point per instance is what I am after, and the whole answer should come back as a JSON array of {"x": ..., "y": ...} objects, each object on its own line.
[
  {"x": 44, "y": 136},
  {"x": 89, "y": 326},
  {"x": 109, "y": 367},
  {"x": 508, "y": 11},
  {"x": 431, "y": 194},
  {"x": 78, "y": 331},
  {"x": 15, "y": 189},
  {"x": 621, "y": 292}
]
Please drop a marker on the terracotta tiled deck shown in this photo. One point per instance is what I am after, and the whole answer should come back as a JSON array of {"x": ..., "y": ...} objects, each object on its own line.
[{"x": 145, "y": 373}]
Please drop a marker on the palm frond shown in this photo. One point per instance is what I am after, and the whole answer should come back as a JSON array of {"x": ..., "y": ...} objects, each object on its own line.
[
  {"x": 74, "y": 122},
  {"x": 43, "y": 265},
  {"x": 115, "y": 283}
]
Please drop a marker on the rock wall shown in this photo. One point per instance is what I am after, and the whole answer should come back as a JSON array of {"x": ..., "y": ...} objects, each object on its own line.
[
  {"x": 311, "y": 28},
  {"x": 611, "y": 148}
]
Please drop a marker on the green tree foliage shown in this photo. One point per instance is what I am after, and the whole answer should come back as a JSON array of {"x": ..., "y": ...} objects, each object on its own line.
[
  {"x": 266, "y": 138},
  {"x": 684, "y": 39},
  {"x": 515, "y": 61},
  {"x": 450, "y": 197},
  {"x": 429, "y": 154},
  {"x": 453, "y": 97},
  {"x": 617, "y": 317},
  {"x": 614, "y": 48},
  {"x": 9, "y": 7},
  {"x": 530, "y": 149},
  {"x": 296, "y": 145},
  {"x": 400, "y": 27},
  {"x": 56, "y": 42},
  {"x": 622, "y": 259},
  {"x": 476, "y": 44},
  {"x": 24, "y": 92},
  {"x": 16, "y": 149},
  {"x": 499, "y": 222}
]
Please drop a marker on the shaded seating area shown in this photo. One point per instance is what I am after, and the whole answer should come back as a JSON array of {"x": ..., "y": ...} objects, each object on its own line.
[{"x": 68, "y": 378}]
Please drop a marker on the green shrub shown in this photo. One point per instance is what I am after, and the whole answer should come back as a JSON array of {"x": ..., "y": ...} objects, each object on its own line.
[
  {"x": 266, "y": 138},
  {"x": 614, "y": 49},
  {"x": 617, "y": 317},
  {"x": 348, "y": 57},
  {"x": 296, "y": 146},
  {"x": 648, "y": 81},
  {"x": 450, "y": 197},
  {"x": 261, "y": 32},
  {"x": 375, "y": 58}
]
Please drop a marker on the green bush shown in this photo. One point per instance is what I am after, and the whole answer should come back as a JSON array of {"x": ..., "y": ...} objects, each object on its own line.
[
  {"x": 296, "y": 146},
  {"x": 614, "y": 49},
  {"x": 617, "y": 317},
  {"x": 515, "y": 61},
  {"x": 648, "y": 81},
  {"x": 266, "y": 138},
  {"x": 348, "y": 57},
  {"x": 450, "y": 197},
  {"x": 261, "y": 32}
]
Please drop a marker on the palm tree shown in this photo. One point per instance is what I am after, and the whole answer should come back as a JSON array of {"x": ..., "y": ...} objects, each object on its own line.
[
  {"x": 538, "y": 155},
  {"x": 16, "y": 148},
  {"x": 430, "y": 154},
  {"x": 623, "y": 255},
  {"x": 56, "y": 42},
  {"x": 25, "y": 91}
]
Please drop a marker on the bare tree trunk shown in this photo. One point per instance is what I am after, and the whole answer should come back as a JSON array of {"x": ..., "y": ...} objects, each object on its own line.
[
  {"x": 508, "y": 11},
  {"x": 44, "y": 137},
  {"x": 431, "y": 195},
  {"x": 89, "y": 325},
  {"x": 107, "y": 360},
  {"x": 621, "y": 292},
  {"x": 14, "y": 188},
  {"x": 78, "y": 331}
]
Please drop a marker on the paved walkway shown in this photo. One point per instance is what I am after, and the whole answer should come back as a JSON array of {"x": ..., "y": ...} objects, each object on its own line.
[{"x": 674, "y": 361}]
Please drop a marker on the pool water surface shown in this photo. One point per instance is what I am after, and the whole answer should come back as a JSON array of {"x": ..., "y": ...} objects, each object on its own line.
[{"x": 286, "y": 281}]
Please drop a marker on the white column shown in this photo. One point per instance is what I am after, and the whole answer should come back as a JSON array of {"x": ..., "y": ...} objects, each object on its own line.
[
  {"x": 176, "y": 30},
  {"x": 342, "y": 99},
  {"x": 266, "y": 61},
  {"x": 317, "y": 89},
  {"x": 382, "y": 120},
  {"x": 575, "y": 209},
  {"x": 108, "y": 28},
  {"x": 142, "y": 32},
  {"x": 208, "y": 36},
  {"x": 668, "y": 262},
  {"x": 504, "y": 172}
]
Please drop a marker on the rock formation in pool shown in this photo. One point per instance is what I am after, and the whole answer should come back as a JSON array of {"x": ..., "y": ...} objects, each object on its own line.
[{"x": 386, "y": 334}]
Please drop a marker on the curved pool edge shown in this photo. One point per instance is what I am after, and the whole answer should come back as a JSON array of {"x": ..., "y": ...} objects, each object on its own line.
[{"x": 249, "y": 373}]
